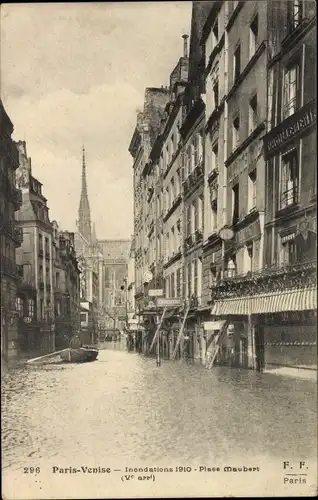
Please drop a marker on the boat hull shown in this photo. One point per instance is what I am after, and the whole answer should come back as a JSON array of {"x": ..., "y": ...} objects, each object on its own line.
[{"x": 81, "y": 355}]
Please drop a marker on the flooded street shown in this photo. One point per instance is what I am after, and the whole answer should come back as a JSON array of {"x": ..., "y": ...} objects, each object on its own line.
[{"x": 123, "y": 411}]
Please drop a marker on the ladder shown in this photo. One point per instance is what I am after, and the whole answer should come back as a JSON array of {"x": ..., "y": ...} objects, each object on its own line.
[
  {"x": 158, "y": 329},
  {"x": 181, "y": 331},
  {"x": 216, "y": 342}
]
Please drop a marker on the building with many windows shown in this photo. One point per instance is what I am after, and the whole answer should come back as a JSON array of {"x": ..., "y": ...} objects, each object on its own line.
[
  {"x": 287, "y": 323},
  {"x": 35, "y": 292},
  {"x": 265, "y": 296},
  {"x": 192, "y": 134},
  {"x": 66, "y": 282},
  {"x": 10, "y": 238},
  {"x": 145, "y": 134}
]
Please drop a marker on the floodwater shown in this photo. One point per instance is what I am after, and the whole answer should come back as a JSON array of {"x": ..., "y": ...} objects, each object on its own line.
[{"x": 123, "y": 411}]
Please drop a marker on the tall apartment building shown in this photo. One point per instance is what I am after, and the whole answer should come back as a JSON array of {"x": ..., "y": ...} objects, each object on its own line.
[
  {"x": 35, "y": 292},
  {"x": 10, "y": 238},
  {"x": 192, "y": 133},
  {"x": 163, "y": 176},
  {"x": 287, "y": 330},
  {"x": 263, "y": 302},
  {"x": 66, "y": 280},
  {"x": 145, "y": 134}
]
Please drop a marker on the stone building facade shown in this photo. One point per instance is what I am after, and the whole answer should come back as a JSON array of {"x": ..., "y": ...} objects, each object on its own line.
[
  {"x": 66, "y": 282},
  {"x": 286, "y": 326},
  {"x": 35, "y": 292},
  {"x": 144, "y": 136},
  {"x": 115, "y": 264},
  {"x": 10, "y": 238}
]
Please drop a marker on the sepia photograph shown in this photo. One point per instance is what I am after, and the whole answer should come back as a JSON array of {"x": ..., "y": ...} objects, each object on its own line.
[{"x": 158, "y": 246}]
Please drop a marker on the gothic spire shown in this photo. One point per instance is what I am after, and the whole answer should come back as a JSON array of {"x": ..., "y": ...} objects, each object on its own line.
[{"x": 84, "y": 213}]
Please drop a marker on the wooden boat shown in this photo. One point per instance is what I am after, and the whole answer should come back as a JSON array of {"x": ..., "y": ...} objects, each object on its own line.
[{"x": 81, "y": 355}]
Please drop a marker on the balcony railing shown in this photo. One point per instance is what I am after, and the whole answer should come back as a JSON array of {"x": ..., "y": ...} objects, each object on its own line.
[
  {"x": 289, "y": 198},
  {"x": 271, "y": 279}
]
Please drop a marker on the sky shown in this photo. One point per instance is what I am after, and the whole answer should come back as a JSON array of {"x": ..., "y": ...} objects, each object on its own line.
[{"x": 74, "y": 74}]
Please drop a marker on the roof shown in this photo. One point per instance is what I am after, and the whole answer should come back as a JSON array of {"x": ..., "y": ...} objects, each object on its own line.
[{"x": 115, "y": 249}]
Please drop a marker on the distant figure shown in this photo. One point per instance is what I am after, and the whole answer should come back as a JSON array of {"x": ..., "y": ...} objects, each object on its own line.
[{"x": 75, "y": 342}]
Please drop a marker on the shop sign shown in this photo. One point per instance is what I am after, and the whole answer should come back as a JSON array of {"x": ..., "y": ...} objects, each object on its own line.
[
  {"x": 290, "y": 129},
  {"x": 171, "y": 302},
  {"x": 155, "y": 292},
  {"x": 249, "y": 232}
]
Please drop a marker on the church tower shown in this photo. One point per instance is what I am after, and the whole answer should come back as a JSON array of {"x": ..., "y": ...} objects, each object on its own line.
[{"x": 84, "y": 213}]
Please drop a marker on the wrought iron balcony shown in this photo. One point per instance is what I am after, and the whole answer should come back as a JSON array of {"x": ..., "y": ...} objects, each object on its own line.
[{"x": 271, "y": 279}]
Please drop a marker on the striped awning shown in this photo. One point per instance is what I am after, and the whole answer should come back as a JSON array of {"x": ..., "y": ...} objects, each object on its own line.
[
  {"x": 304, "y": 299},
  {"x": 238, "y": 306}
]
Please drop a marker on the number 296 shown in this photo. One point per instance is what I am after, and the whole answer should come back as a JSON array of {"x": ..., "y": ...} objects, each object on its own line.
[{"x": 31, "y": 470}]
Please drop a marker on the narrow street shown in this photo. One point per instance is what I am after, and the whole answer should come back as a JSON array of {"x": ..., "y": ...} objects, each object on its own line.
[{"x": 123, "y": 411}]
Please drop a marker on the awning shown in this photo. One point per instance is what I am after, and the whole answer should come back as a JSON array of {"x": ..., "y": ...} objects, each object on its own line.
[
  {"x": 234, "y": 307},
  {"x": 304, "y": 299}
]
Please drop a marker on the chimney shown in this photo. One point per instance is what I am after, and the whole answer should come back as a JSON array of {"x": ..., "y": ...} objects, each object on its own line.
[{"x": 185, "y": 45}]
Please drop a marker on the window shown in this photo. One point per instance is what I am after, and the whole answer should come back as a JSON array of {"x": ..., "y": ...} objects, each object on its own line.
[
  {"x": 193, "y": 218},
  {"x": 42, "y": 308},
  {"x": 188, "y": 216},
  {"x": 237, "y": 63},
  {"x": 58, "y": 308},
  {"x": 178, "y": 284},
  {"x": 167, "y": 283},
  {"x": 215, "y": 91},
  {"x": 194, "y": 276},
  {"x": 249, "y": 258},
  {"x": 288, "y": 250},
  {"x": 215, "y": 157},
  {"x": 41, "y": 273},
  {"x": 172, "y": 285},
  {"x": 289, "y": 179},
  {"x": 196, "y": 151},
  {"x": 235, "y": 204},
  {"x": 31, "y": 308},
  {"x": 57, "y": 280},
  {"x": 252, "y": 114},
  {"x": 200, "y": 146},
  {"x": 235, "y": 132},
  {"x": 19, "y": 306},
  {"x": 189, "y": 275},
  {"x": 83, "y": 317},
  {"x": 251, "y": 200},
  {"x": 214, "y": 206},
  {"x": 199, "y": 213},
  {"x": 40, "y": 244},
  {"x": 291, "y": 90},
  {"x": 253, "y": 35},
  {"x": 213, "y": 276},
  {"x": 294, "y": 13}
]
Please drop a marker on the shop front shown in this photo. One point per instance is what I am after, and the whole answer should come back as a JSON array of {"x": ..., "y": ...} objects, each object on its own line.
[{"x": 277, "y": 327}]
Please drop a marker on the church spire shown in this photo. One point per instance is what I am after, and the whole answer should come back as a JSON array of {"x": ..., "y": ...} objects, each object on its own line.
[{"x": 84, "y": 213}]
